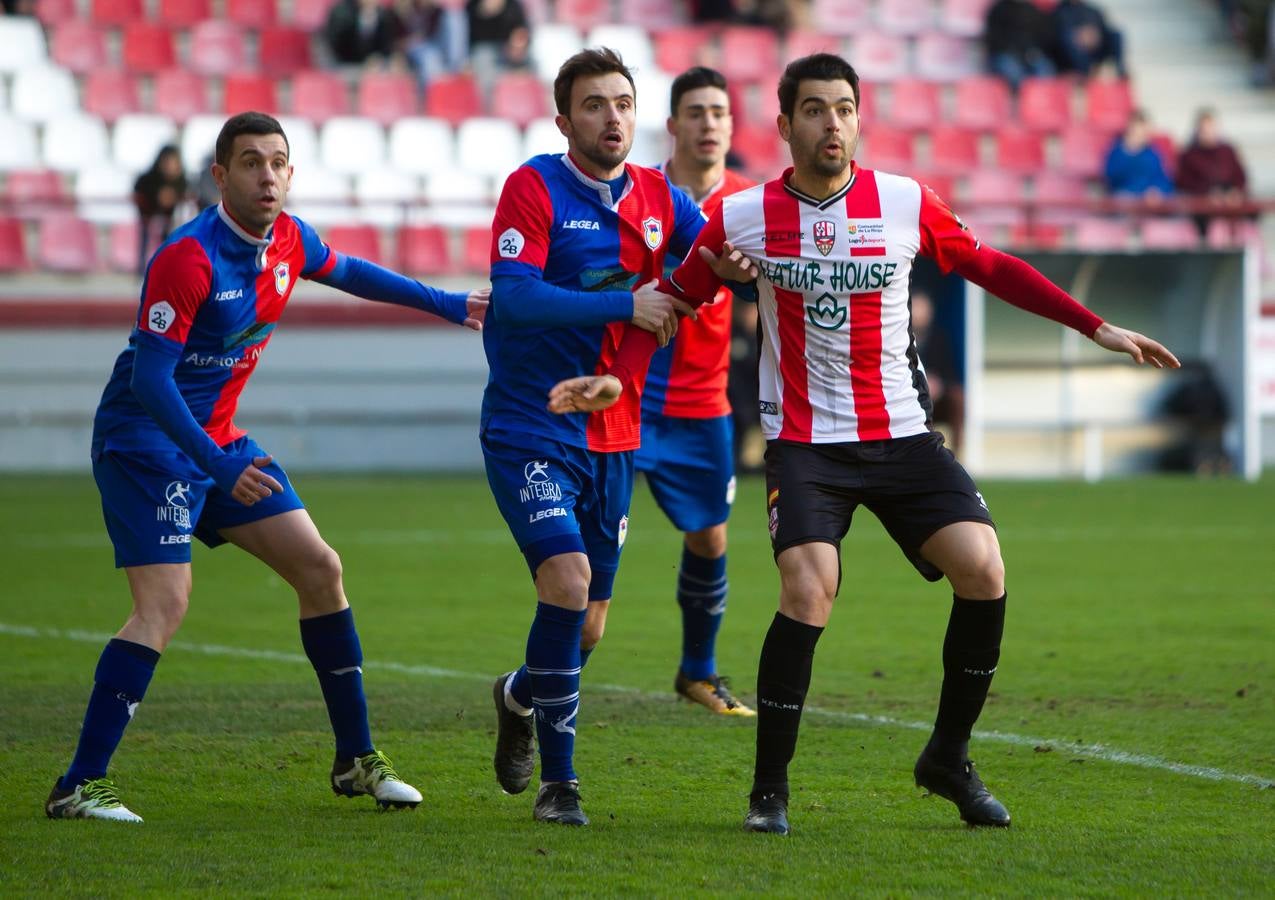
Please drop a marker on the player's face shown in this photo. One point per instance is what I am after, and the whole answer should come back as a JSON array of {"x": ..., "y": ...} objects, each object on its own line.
[
  {"x": 702, "y": 127},
  {"x": 600, "y": 128},
  {"x": 255, "y": 184},
  {"x": 824, "y": 131}
]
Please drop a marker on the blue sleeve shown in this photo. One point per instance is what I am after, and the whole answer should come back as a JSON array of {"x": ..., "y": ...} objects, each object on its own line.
[
  {"x": 524, "y": 301},
  {"x": 372, "y": 282},
  {"x": 155, "y": 389}
]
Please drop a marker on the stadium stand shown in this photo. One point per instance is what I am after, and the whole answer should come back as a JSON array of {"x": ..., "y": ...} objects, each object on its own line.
[
  {"x": 13, "y": 251},
  {"x": 111, "y": 93},
  {"x": 80, "y": 46}
]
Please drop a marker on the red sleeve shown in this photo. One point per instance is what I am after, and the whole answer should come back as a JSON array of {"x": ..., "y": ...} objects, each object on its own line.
[
  {"x": 177, "y": 284},
  {"x": 524, "y": 215},
  {"x": 944, "y": 237},
  {"x": 1017, "y": 283}
]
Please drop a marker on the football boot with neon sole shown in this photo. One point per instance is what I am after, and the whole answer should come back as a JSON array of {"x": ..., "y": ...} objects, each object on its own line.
[
  {"x": 373, "y": 774},
  {"x": 713, "y": 692},
  {"x": 94, "y": 799}
]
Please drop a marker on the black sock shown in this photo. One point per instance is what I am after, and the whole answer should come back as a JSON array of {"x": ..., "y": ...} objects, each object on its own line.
[
  {"x": 783, "y": 677},
  {"x": 971, "y": 651}
]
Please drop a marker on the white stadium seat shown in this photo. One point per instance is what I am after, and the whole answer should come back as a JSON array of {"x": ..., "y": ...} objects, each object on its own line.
[
  {"x": 105, "y": 194},
  {"x": 76, "y": 141},
  {"x": 21, "y": 44},
  {"x": 449, "y": 186},
  {"x": 42, "y": 93},
  {"x": 138, "y": 139},
  {"x": 550, "y": 45},
  {"x": 488, "y": 146},
  {"x": 421, "y": 145},
  {"x": 385, "y": 195},
  {"x": 650, "y": 147},
  {"x": 542, "y": 136},
  {"x": 321, "y": 197},
  {"x": 303, "y": 141},
  {"x": 18, "y": 149},
  {"x": 653, "y": 86},
  {"x": 350, "y": 144},
  {"x": 199, "y": 139},
  {"x": 631, "y": 42}
]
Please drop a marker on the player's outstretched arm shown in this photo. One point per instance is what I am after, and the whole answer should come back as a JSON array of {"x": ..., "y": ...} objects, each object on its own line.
[
  {"x": 1142, "y": 348},
  {"x": 372, "y": 282}
]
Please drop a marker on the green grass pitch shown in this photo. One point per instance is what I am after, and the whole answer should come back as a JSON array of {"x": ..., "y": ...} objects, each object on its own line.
[{"x": 1131, "y": 731}]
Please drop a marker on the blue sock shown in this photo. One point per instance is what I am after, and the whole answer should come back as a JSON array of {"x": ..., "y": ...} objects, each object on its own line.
[
  {"x": 520, "y": 684},
  {"x": 585, "y": 653},
  {"x": 553, "y": 664},
  {"x": 332, "y": 644},
  {"x": 701, "y": 592},
  {"x": 119, "y": 684}
]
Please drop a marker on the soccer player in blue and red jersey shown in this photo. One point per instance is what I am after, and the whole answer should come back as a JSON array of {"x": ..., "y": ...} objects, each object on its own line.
[
  {"x": 687, "y": 452},
  {"x": 170, "y": 462},
  {"x": 573, "y": 234}
]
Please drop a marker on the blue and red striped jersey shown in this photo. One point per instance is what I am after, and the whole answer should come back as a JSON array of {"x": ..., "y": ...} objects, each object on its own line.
[
  {"x": 556, "y": 224},
  {"x": 212, "y": 295}
]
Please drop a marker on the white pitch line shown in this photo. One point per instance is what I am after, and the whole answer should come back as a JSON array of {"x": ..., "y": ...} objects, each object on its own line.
[{"x": 1091, "y": 751}]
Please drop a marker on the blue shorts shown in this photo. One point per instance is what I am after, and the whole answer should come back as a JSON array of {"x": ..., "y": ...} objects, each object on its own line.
[
  {"x": 690, "y": 465},
  {"x": 153, "y": 501},
  {"x": 562, "y": 499}
]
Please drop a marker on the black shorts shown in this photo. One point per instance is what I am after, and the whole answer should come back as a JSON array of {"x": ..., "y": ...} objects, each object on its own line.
[{"x": 914, "y": 485}]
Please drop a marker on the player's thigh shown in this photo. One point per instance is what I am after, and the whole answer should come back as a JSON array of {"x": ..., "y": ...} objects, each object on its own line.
[
  {"x": 152, "y": 502},
  {"x": 694, "y": 484},
  {"x": 604, "y": 518},
  {"x": 809, "y": 575},
  {"x": 161, "y": 591},
  {"x": 290, "y": 544},
  {"x": 969, "y": 554},
  {"x": 222, "y": 513},
  {"x": 810, "y": 494}
]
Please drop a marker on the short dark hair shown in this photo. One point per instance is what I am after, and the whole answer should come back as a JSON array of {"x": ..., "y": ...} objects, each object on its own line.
[
  {"x": 693, "y": 79},
  {"x": 602, "y": 61},
  {"x": 245, "y": 123},
  {"x": 816, "y": 67}
]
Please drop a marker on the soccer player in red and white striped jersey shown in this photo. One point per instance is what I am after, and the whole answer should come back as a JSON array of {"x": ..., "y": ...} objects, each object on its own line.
[{"x": 846, "y": 412}]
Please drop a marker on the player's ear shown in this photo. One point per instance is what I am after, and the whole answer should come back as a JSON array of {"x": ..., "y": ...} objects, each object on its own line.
[
  {"x": 784, "y": 126},
  {"x": 219, "y": 175},
  {"x": 669, "y": 126},
  {"x": 564, "y": 125}
]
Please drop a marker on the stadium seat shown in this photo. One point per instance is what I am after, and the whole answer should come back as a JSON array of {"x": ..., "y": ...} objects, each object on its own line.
[
  {"x": 520, "y": 97},
  {"x": 953, "y": 150},
  {"x": 1019, "y": 150},
  {"x": 632, "y": 42},
  {"x": 992, "y": 187},
  {"x": 21, "y": 44},
  {"x": 217, "y": 47},
  {"x": 199, "y": 138},
  {"x": 138, "y": 139},
  {"x": 1169, "y": 234},
  {"x": 488, "y": 146},
  {"x": 653, "y": 15},
  {"x": 476, "y": 249},
  {"x": 54, "y": 12},
  {"x": 804, "y": 42},
  {"x": 13, "y": 247},
  {"x": 457, "y": 187},
  {"x": 318, "y": 95},
  {"x": 964, "y": 18},
  {"x": 284, "y": 51},
  {"x": 424, "y": 250},
  {"x": 542, "y": 136},
  {"x": 914, "y": 104},
  {"x": 551, "y": 43},
  {"x": 350, "y": 144},
  {"x": 1102, "y": 234},
  {"x": 904, "y": 16},
  {"x": 104, "y": 194},
  {"x": 18, "y": 150},
  {"x": 940, "y": 183},
  {"x": 583, "y": 14},
  {"x": 321, "y": 197},
  {"x": 42, "y": 93},
  {"x": 1083, "y": 151},
  {"x": 303, "y": 141},
  {"x": 944, "y": 57},
  {"x": 244, "y": 93},
  {"x": 310, "y": 15},
  {"x": 355, "y": 240},
  {"x": 384, "y": 196},
  {"x": 117, "y": 12},
  {"x": 1052, "y": 188},
  {"x": 75, "y": 141},
  {"x": 421, "y": 145},
  {"x": 31, "y": 192},
  {"x": 1036, "y": 236},
  {"x": 1108, "y": 104},
  {"x": 148, "y": 48},
  {"x": 184, "y": 13},
  {"x": 180, "y": 94},
  {"x": 1220, "y": 235},
  {"x": 254, "y": 14},
  {"x": 123, "y": 241},
  {"x": 454, "y": 99},
  {"x": 654, "y": 86},
  {"x": 386, "y": 97},
  {"x": 111, "y": 93},
  {"x": 763, "y": 153},
  {"x": 982, "y": 102},
  {"x": 678, "y": 49},
  {"x": 66, "y": 243},
  {"x": 869, "y": 106},
  {"x": 749, "y": 55},
  {"x": 79, "y": 45},
  {"x": 887, "y": 148},
  {"x": 842, "y": 17},
  {"x": 1044, "y": 104},
  {"x": 879, "y": 57}
]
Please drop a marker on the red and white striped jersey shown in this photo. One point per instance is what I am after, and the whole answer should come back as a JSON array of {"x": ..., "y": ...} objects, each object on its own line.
[{"x": 838, "y": 358}]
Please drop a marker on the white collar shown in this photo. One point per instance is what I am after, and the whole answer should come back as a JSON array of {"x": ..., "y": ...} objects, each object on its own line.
[{"x": 602, "y": 187}]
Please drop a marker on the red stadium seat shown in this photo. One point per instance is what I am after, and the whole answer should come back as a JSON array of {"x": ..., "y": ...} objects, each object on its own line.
[
  {"x": 424, "y": 250},
  {"x": 454, "y": 98},
  {"x": 964, "y": 18},
  {"x": 356, "y": 240},
  {"x": 1044, "y": 104},
  {"x": 941, "y": 184},
  {"x": 55, "y": 12},
  {"x": 180, "y": 94},
  {"x": 763, "y": 153},
  {"x": 749, "y": 55},
  {"x": 842, "y": 17},
  {"x": 243, "y": 93},
  {"x": 953, "y": 150},
  {"x": 217, "y": 48},
  {"x": 476, "y": 252},
  {"x": 519, "y": 97},
  {"x": 651, "y": 14},
  {"x": 310, "y": 15},
  {"x": 804, "y": 42},
  {"x": 887, "y": 148},
  {"x": 13, "y": 248},
  {"x": 868, "y": 104},
  {"x": 1051, "y": 188},
  {"x": 1102, "y": 234},
  {"x": 284, "y": 51},
  {"x": 386, "y": 97},
  {"x": 117, "y": 12},
  {"x": 1019, "y": 150},
  {"x": 79, "y": 45},
  {"x": 905, "y": 16},
  {"x": 184, "y": 13},
  {"x": 1084, "y": 151},
  {"x": 67, "y": 243},
  {"x": 943, "y": 57},
  {"x": 678, "y": 49},
  {"x": 1170, "y": 234},
  {"x": 982, "y": 102},
  {"x": 254, "y": 14},
  {"x": 914, "y": 103},
  {"x": 1036, "y": 236},
  {"x": 111, "y": 93},
  {"x": 1108, "y": 104},
  {"x": 122, "y": 246},
  {"x": 148, "y": 48},
  {"x": 319, "y": 95},
  {"x": 32, "y": 190},
  {"x": 990, "y": 187},
  {"x": 583, "y": 14},
  {"x": 880, "y": 57}
]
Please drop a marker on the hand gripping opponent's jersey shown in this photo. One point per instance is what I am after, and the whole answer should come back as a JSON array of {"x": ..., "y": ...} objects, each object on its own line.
[
  {"x": 556, "y": 224},
  {"x": 687, "y": 378},
  {"x": 211, "y": 297}
]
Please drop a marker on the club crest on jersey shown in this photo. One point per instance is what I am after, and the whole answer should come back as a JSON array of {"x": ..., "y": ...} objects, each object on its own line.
[
  {"x": 653, "y": 232},
  {"x": 281, "y": 278},
  {"x": 825, "y": 231}
]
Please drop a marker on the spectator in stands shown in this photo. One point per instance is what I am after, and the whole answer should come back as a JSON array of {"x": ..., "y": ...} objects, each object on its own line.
[
  {"x": 1256, "y": 20},
  {"x": 1210, "y": 167},
  {"x": 1017, "y": 39},
  {"x": 499, "y": 38},
  {"x": 1134, "y": 167},
  {"x": 19, "y": 7},
  {"x": 1085, "y": 40},
  {"x": 934, "y": 345},
  {"x": 437, "y": 37},
  {"x": 157, "y": 193},
  {"x": 363, "y": 31}
]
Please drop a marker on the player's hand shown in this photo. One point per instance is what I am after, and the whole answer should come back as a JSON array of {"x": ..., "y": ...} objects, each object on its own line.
[
  {"x": 731, "y": 265},
  {"x": 656, "y": 311},
  {"x": 254, "y": 484},
  {"x": 1140, "y": 347},
  {"x": 476, "y": 308},
  {"x": 588, "y": 393}
]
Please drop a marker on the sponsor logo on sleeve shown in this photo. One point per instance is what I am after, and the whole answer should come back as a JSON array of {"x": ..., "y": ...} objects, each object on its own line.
[
  {"x": 768, "y": 408},
  {"x": 510, "y": 243},
  {"x": 160, "y": 317}
]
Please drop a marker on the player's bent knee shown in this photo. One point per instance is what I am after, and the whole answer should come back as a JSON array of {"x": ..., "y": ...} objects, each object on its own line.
[
  {"x": 710, "y": 543},
  {"x": 591, "y": 634},
  {"x": 316, "y": 570},
  {"x": 983, "y": 580}
]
